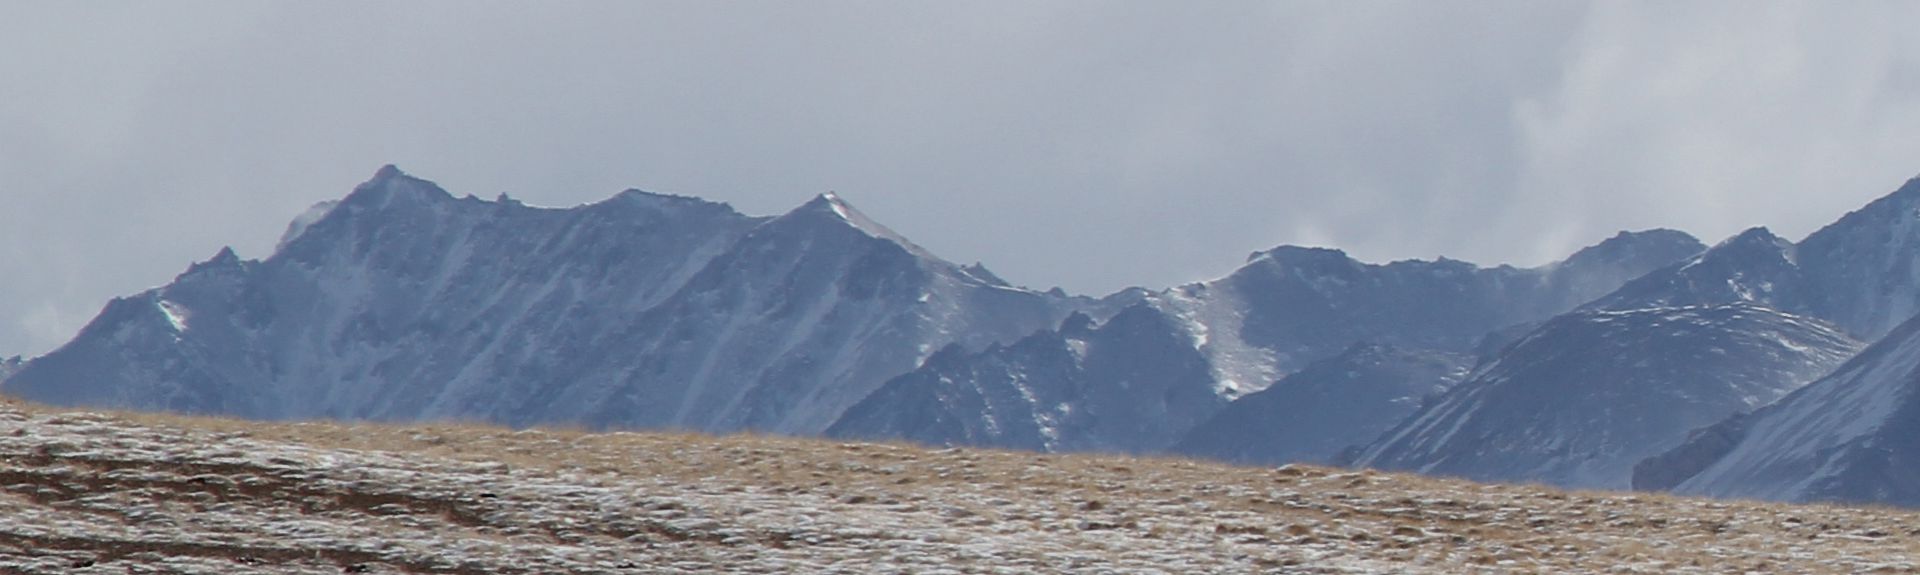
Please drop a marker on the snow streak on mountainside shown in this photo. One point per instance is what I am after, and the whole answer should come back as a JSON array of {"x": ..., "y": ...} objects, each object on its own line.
[
  {"x": 1188, "y": 351},
  {"x": 1861, "y": 272},
  {"x": 401, "y": 302},
  {"x": 1579, "y": 401},
  {"x": 1852, "y": 436},
  {"x": 1318, "y": 412},
  {"x": 8, "y": 365}
]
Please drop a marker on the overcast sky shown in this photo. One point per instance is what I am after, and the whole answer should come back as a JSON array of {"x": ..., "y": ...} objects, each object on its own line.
[{"x": 1091, "y": 145}]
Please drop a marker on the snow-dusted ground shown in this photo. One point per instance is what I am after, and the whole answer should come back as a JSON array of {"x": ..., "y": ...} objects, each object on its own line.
[{"x": 93, "y": 493}]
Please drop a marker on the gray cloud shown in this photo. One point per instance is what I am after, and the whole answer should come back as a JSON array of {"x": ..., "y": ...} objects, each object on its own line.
[{"x": 1087, "y": 144}]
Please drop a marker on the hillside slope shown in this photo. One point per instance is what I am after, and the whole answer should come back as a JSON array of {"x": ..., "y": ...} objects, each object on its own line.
[
  {"x": 1848, "y": 437},
  {"x": 1581, "y": 400},
  {"x": 92, "y": 493}
]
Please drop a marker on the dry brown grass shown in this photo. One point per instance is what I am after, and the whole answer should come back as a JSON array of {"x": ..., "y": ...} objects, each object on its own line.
[{"x": 1124, "y": 513}]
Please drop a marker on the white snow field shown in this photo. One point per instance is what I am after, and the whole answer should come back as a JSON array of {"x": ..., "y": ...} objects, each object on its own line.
[{"x": 88, "y": 492}]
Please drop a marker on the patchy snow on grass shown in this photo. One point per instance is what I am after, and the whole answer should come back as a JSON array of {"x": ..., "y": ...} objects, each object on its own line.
[{"x": 130, "y": 493}]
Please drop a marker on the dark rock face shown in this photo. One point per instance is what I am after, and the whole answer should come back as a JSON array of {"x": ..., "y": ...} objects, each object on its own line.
[
  {"x": 1580, "y": 400},
  {"x": 1131, "y": 384},
  {"x": 1865, "y": 268},
  {"x": 1332, "y": 405},
  {"x": 1702, "y": 448}
]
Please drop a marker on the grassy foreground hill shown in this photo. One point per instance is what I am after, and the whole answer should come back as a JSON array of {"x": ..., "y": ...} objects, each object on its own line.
[{"x": 84, "y": 492}]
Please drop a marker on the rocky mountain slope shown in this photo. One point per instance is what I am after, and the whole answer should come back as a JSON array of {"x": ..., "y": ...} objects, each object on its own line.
[
  {"x": 1852, "y": 436},
  {"x": 1129, "y": 386},
  {"x": 1586, "y": 396},
  {"x": 402, "y": 302},
  {"x": 90, "y": 493},
  {"x": 1170, "y": 362},
  {"x": 1315, "y": 414},
  {"x": 1866, "y": 266}
]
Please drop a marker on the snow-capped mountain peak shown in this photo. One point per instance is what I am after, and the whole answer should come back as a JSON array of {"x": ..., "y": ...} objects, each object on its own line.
[
  {"x": 223, "y": 259},
  {"x": 830, "y": 203},
  {"x": 830, "y": 207},
  {"x": 389, "y": 186},
  {"x": 1754, "y": 242}
]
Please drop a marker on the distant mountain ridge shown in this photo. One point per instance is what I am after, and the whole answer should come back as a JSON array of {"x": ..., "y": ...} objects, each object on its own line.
[
  {"x": 1183, "y": 354},
  {"x": 1861, "y": 272},
  {"x": 401, "y": 302}
]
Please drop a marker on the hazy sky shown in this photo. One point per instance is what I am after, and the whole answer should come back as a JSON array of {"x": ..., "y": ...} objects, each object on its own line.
[{"x": 1091, "y": 145}]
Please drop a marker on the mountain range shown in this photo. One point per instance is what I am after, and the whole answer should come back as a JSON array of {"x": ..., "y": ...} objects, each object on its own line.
[
  {"x": 402, "y": 302},
  {"x": 1647, "y": 360},
  {"x": 1176, "y": 358},
  {"x": 1659, "y": 403}
]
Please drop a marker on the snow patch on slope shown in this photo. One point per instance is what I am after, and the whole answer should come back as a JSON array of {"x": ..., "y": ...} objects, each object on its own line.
[
  {"x": 305, "y": 220},
  {"x": 175, "y": 314},
  {"x": 1213, "y": 322}
]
